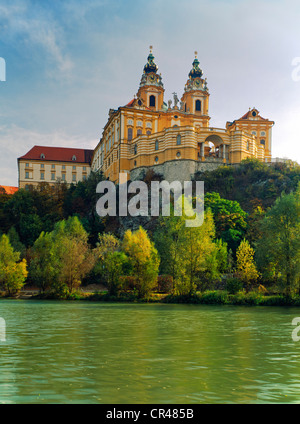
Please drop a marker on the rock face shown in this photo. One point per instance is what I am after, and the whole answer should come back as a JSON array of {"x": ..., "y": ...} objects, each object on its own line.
[{"x": 177, "y": 170}]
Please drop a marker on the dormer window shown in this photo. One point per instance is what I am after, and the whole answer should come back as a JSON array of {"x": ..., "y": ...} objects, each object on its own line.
[
  {"x": 42, "y": 156},
  {"x": 74, "y": 158}
]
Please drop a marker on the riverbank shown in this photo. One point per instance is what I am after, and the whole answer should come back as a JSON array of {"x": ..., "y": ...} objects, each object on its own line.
[{"x": 211, "y": 297}]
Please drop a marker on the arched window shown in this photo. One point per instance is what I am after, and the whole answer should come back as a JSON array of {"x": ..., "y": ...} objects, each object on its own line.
[
  {"x": 148, "y": 132},
  {"x": 42, "y": 156},
  {"x": 262, "y": 142},
  {"x": 135, "y": 149},
  {"x": 156, "y": 144},
  {"x": 152, "y": 101},
  {"x": 198, "y": 105},
  {"x": 129, "y": 134},
  {"x": 73, "y": 157},
  {"x": 248, "y": 145},
  {"x": 178, "y": 140},
  {"x": 139, "y": 132}
]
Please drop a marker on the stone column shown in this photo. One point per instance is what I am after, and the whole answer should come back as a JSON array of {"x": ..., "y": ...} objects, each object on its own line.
[{"x": 224, "y": 152}]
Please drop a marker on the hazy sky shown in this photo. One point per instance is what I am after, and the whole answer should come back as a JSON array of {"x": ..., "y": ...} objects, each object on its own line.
[{"x": 69, "y": 61}]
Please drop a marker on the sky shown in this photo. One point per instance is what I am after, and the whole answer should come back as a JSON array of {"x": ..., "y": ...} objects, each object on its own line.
[{"x": 69, "y": 61}]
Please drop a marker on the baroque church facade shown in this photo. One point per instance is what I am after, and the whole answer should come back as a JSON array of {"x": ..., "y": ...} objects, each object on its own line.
[{"x": 176, "y": 140}]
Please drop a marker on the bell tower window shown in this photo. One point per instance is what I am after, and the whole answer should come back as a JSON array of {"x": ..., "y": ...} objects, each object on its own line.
[
  {"x": 129, "y": 134},
  {"x": 152, "y": 101},
  {"x": 198, "y": 105}
]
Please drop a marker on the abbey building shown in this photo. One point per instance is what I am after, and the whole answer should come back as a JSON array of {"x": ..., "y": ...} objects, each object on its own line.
[{"x": 175, "y": 138}]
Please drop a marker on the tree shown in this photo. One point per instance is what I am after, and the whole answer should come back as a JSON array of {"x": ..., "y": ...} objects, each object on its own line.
[
  {"x": 71, "y": 249},
  {"x": 168, "y": 239},
  {"x": 44, "y": 264},
  {"x": 229, "y": 218},
  {"x": 111, "y": 262},
  {"x": 278, "y": 250},
  {"x": 143, "y": 258},
  {"x": 14, "y": 240},
  {"x": 197, "y": 249},
  {"x": 12, "y": 272},
  {"x": 246, "y": 267},
  {"x": 188, "y": 254}
]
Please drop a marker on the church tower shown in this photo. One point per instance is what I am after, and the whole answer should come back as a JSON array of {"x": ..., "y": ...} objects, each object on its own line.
[
  {"x": 151, "y": 91},
  {"x": 195, "y": 97}
]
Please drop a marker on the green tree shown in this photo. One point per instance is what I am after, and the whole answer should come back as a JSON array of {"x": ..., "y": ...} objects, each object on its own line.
[
  {"x": 189, "y": 254},
  {"x": 75, "y": 258},
  {"x": 278, "y": 250},
  {"x": 168, "y": 239},
  {"x": 229, "y": 218},
  {"x": 197, "y": 249},
  {"x": 143, "y": 258},
  {"x": 44, "y": 263},
  {"x": 14, "y": 240},
  {"x": 112, "y": 263},
  {"x": 12, "y": 272}
]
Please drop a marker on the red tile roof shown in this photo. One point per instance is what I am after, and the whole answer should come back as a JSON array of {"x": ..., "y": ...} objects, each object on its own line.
[
  {"x": 9, "y": 189},
  {"x": 247, "y": 114},
  {"x": 130, "y": 103},
  {"x": 61, "y": 154}
]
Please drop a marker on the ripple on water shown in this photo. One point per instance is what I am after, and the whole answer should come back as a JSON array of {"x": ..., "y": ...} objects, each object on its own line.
[{"x": 64, "y": 352}]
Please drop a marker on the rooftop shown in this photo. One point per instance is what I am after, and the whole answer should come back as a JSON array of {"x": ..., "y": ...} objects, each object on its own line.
[{"x": 61, "y": 154}]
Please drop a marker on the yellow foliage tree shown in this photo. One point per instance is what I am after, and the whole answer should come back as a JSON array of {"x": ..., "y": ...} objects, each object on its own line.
[
  {"x": 12, "y": 273},
  {"x": 246, "y": 267},
  {"x": 143, "y": 258}
]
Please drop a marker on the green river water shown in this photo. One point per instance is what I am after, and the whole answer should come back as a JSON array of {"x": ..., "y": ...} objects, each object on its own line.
[{"x": 88, "y": 352}]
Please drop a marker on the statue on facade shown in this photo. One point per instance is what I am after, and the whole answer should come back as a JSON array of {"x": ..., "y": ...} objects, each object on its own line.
[{"x": 176, "y": 100}]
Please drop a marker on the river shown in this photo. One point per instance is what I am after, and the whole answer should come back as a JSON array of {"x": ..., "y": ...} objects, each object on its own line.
[{"x": 89, "y": 352}]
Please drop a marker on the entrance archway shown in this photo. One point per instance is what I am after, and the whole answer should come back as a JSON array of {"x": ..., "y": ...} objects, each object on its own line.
[{"x": 213, "y": 147}]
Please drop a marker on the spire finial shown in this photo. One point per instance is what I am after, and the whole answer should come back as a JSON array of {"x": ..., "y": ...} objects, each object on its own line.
[
  {"x": 196, "y": 53},
  {"x": 150, "y": 47}
]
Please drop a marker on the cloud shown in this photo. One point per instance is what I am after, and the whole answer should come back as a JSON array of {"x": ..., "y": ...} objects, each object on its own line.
[
  {"x": 37, "y": 31},
  {"x": 15, "y": 141}
]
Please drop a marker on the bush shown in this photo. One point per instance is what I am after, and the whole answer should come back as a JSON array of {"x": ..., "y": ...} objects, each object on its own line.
[
  {"x": 251, "y": 298},
  {"x": 165, "y": 284},
  {"x": 233, "y": 285},
  {"x": 214, "y": 297},
  {"x": 128, "y": 283}
]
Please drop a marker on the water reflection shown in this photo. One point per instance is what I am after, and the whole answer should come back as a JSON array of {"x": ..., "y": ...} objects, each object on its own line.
[{"x": 81, "y": 352}]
